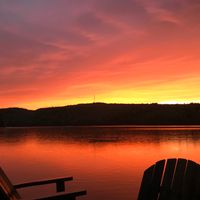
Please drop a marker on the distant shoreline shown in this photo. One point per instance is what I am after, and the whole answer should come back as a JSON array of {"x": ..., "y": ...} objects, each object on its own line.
[
  {"x": 107, "y": 115},
  {"x": 134, "y": 127}
]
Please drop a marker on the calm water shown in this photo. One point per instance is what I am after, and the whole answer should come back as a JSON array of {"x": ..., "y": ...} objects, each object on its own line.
[{"x": 106, "y": 161}]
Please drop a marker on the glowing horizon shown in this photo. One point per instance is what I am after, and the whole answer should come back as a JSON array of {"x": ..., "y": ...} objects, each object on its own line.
[{"x": 66, "y": 52}]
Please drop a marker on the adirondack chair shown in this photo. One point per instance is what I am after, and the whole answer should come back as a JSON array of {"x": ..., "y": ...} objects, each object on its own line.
[
  {"x": 174, "y": 179},
  {"x": 8, "y": 191}
]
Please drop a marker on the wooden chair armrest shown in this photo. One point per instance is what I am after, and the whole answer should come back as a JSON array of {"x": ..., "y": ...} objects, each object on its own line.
[
  {"x": 68, "y": 196},
  {"x": 60, "y": 183}
]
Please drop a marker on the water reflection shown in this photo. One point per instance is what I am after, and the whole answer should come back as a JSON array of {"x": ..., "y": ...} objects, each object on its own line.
[
  {"x": 96, "y": 134},
  {"x": 108, "y": 162}
]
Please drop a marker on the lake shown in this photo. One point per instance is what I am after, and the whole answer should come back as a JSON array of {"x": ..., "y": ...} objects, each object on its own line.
[{"x": 106, "y": 161}]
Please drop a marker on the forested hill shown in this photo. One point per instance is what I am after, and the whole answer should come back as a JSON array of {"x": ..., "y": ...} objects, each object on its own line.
[{"x": 103, "y": 114}]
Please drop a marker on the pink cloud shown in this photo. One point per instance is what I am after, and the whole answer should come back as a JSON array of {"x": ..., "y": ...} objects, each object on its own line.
[{"x": 48, "y": 49}]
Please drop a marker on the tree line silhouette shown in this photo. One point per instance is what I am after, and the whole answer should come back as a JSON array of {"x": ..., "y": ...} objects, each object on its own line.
[{"x": 103, "y": 114}]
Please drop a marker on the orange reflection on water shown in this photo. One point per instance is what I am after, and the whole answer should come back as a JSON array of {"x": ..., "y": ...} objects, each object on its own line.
[{"x": 109, "y": 163}]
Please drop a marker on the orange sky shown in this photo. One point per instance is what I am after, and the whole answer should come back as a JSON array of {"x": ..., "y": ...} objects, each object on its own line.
[{"x": 66, "y": 51}]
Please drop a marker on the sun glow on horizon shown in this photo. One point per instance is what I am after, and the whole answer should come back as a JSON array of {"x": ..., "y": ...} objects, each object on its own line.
[
  {"x": 179, "y": 102},
  {"x": 37, "y": 105}
]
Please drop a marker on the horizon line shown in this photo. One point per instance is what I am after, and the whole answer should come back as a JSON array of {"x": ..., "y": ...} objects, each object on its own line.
[{"x": 59, "y": 106}]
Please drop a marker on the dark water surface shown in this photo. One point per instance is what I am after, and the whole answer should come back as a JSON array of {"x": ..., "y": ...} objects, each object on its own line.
[{"x": 106, "y": 161}]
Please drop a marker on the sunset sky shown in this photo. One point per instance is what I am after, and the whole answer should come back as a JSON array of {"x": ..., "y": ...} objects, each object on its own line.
[{"x": 61, "y": 52}]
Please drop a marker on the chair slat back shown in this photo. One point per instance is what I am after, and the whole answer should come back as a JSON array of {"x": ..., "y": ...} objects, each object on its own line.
[
  {"x": 178, "y": 180},
  {"x": 151, "y": 181},
  {"x": 191, "y": 176},
  {"x": 145, "y": 188},
  {"x": 177, "y": 185},
  {"x": 197, "y": 184},
  {"x": 156, "y": 179},
  {"x": 7, "y": 191},
  {"x": 167, "y": 179}
]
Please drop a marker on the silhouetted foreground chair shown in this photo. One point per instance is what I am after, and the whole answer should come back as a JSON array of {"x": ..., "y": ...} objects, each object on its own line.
[
  {"x": 9, "y": 191},
  {"x": 174, "y": 179}
]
